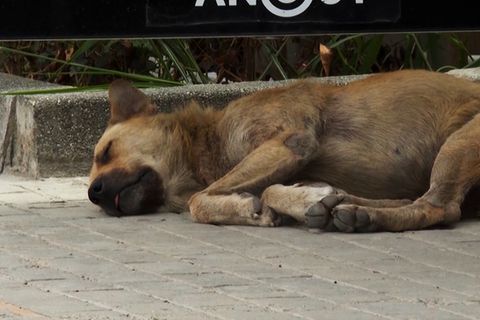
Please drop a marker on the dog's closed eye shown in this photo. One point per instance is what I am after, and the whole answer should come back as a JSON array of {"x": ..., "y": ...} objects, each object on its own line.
[{"x": 104, "y": 156}]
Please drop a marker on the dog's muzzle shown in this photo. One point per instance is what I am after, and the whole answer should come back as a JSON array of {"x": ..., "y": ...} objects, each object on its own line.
[{"x": 120, "y": 193}]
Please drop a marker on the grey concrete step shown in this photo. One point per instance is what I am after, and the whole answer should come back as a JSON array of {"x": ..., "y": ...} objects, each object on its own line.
[{"x": 53, "y": 135}]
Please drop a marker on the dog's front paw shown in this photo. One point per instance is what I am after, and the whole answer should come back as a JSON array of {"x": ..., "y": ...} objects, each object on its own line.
[
  {"x": 269, "y": 218},
  {"x": 238, "y": 209},
  {"x": 251, "y": 208}
]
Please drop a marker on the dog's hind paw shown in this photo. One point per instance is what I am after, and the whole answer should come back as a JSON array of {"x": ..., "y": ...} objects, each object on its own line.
[
  {"x": 310, "y": 204},
  {"x": 352, "y": 218},
  {"x": 318, "y": 215}
]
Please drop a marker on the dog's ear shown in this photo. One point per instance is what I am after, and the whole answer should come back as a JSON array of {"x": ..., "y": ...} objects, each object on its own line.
[{"x": 127, "y": 102}]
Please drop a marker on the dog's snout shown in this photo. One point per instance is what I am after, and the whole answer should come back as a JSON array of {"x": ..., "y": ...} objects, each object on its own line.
[
  {"x": 119, "y": 192},
  {"x": 95, "y": 191}
]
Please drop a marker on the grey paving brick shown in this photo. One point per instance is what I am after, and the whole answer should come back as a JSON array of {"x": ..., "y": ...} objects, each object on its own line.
[
  {"x": 205, "y": 299},
  {"x": 26, "y": 221},
  {"x": 95, "y": 315},
  {"x": 249, "y": 312},
  {"x": 409, "y": 291},
  {"x": 22, "y": 197},
  {"x": 167, "y": 289},
  {"x": 165, "y": 310},
  {"x": 4, "y": 315},
  {"x": 114, "y": 298},
  {"x": 343, "y": 314},
  {"x": 410, "y": 310},
  {"x": 40, "y": 301},
  {"x": 450, "y": 240},
  {"x": 168, "y": 266},
  {"x": 10, "y": 211},
  {"x": 457, "y": 283},
  {"x": 13, "y": 312},
  {"x": 469, "y": 226},
  {"x": 213, "y": 279},
  {"x": 297, "y": 304},
  {"x": 470, "y": 307},
  {"x": 72, "y": 284},
  {"x": 409, "y": 249},
  {"x": 66, "y": 210}
]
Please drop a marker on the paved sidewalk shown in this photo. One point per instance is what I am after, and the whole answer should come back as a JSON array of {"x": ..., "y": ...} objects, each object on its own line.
[{"x": 61, "y": 258}]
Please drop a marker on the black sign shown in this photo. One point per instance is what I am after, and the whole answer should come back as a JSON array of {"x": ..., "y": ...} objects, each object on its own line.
[
  {"x": 161, "y": 13},
  {"x": 75, "y": 19}
]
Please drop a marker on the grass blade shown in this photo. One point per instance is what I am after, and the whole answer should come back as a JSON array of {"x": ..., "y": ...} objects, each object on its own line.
[{"x": 121, "y": 74}]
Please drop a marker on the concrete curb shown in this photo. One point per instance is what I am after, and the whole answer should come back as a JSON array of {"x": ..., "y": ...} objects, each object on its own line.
[
  {"x": 12, "y": 119},
  {"x": 54, "y": 134}
]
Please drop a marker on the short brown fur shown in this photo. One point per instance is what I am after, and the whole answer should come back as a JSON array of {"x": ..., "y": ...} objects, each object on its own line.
[{"x": 408, "y": 135}]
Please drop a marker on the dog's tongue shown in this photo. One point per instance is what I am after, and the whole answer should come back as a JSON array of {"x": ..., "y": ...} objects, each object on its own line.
[{"x": 117, "y": 199}]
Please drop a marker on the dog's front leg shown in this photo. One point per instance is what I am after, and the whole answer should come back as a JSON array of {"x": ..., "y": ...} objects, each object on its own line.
[{"x": 232, "y": 199}]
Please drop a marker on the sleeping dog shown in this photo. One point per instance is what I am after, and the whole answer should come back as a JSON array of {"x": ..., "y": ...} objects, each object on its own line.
[{"x": 395, "y": 151}]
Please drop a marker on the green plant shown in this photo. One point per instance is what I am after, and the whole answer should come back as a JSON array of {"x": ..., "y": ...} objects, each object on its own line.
[{"x": 91, "y": 64}]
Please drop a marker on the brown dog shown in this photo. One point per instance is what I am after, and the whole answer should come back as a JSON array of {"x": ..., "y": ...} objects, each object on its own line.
[{"x": 410, "y": 135}]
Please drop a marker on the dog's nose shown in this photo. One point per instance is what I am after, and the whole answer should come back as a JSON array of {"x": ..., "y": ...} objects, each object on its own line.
[{"x": 95, "y": 191}]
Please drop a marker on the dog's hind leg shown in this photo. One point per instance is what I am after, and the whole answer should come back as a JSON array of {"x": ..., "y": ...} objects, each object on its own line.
[
  {"x": 232, "y": 199},
  {"x": 455, "y": 171},
  {"x": 375, "y": 203},
  {"x": 309, "y": 204},
  {"x": 312, "y": 203}
]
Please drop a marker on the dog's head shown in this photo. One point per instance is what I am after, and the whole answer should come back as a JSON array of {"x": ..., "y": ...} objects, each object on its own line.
[{"x": 138, "y": 163}]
